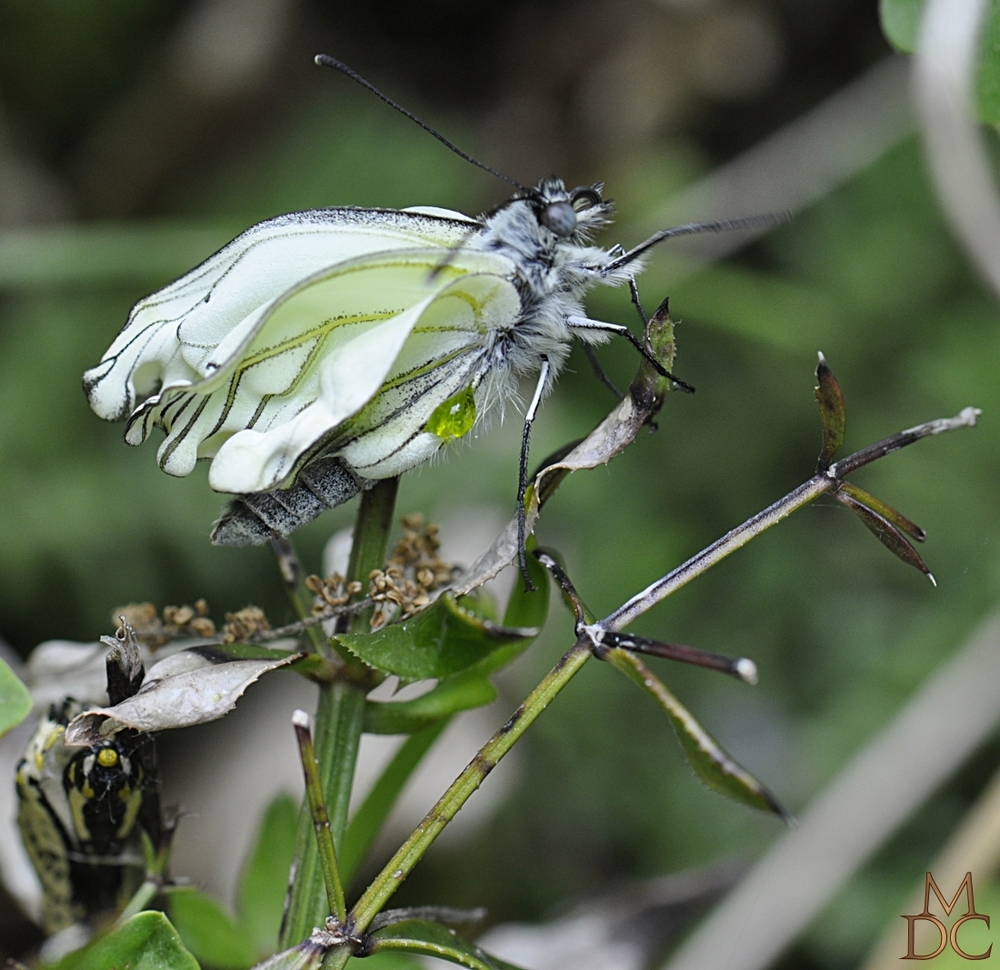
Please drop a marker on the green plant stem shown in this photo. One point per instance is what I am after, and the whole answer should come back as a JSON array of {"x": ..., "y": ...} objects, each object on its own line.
[
  {"x": 371, "y": 815},
  {"x": 410, "y": 853},
  {"x": 320, "y": 818},
  {"x": 340, "y": 717},
  {"x": 371, "y": 532},
  {"x": 143, "y": 897},
  {"x": 718, "y": 550}
]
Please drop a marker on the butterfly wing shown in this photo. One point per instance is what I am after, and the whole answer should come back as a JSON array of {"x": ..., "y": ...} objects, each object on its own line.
[
  {"x": 383, "y": 330},
  {"x": 170, "y": 336}
]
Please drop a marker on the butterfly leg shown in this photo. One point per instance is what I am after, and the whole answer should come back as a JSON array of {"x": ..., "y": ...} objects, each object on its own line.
[
  {"x": 522, "y": 480},
  {"x": 584, "y": 323},
  {"x": 600, "y": 372},
  {"x": 637, "y": 302}
]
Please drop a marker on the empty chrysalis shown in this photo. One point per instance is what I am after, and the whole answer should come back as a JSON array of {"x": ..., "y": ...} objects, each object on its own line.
[{"x": 321, "y": 351}]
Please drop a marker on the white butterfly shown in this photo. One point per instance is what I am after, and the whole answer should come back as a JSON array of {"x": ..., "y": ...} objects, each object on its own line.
[{"x": 323, "y": 350}]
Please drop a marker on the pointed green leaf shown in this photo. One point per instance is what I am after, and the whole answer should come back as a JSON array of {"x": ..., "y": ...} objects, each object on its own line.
[
  {"x": 433, "y": 939},
  {"x": 649, "y": 387},
  {"x": 887, "y": 512},
  {"x": 884, "y": 531},
  {"x": 370, "y": 817},
  {"x": 832, "y": 413},
  {"x": 708, "y": 758},
  {"x": 15, "y": 701},
  {"x": 440, "y": 640},
  {"x": 147, "y": 941},
  {"x": 209, "y": 932},
  {"x": 459, "y": 693},
  {"x": 264, "y": 882}
]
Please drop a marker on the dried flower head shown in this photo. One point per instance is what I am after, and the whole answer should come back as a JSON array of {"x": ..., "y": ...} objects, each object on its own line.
[
  {"x": 243, "y": 624},
  {"x": 411, "y": 574}
]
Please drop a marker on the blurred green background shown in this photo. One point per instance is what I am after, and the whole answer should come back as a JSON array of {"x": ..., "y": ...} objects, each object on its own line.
[{"x": 136, "y": 136}]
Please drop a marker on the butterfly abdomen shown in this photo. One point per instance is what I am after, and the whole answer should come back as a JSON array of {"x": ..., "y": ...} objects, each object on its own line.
[{"x": 251, "y": 520}]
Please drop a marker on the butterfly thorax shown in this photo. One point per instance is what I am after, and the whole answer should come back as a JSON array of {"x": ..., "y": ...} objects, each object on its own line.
[{"x": 545, "y": 235}]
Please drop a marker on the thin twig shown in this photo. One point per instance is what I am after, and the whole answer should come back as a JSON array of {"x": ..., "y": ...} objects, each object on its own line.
[
  {"x": 716, "y": 552},
  {"x": 330, "y": 613},
  {"x": 293, "y": 577},
  {"x": 966, "y": 418},
  {"x": 818, "y": 485}
]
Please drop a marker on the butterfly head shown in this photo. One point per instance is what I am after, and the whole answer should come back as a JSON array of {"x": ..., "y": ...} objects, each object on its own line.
[{"x": 566, "y": 212}]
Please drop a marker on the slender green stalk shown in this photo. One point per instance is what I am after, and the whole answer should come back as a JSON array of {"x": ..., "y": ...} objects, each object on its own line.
[
  {"x": 410, "y": 853},
  {"x": 143, "y": 897},
  {"x": 371, "y": 532},
  {"x": 340, "y": 717},
  {"x": 320, "y": 817},
  {"x": 372, "y": 813},
  {"x": 824, "y": 481},
  {"x": 718, "y": 551}
]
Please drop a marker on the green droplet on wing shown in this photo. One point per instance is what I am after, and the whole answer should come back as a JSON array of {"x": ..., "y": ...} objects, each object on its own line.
[{"x": 455, "y": 417}]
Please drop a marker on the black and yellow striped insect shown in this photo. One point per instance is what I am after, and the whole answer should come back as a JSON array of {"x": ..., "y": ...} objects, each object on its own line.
[{"x": 81, "y": 815}]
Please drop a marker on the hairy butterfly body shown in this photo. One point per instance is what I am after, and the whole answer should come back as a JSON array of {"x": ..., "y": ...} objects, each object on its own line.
[{"x": 324, "y": 350}]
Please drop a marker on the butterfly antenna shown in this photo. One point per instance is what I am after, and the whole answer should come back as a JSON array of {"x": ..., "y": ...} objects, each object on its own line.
[
  {"x": 324, "y": 60},
  {"x": 689, "y": 229}
]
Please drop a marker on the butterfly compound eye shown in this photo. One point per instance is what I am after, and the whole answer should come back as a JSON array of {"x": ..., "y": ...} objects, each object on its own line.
[{"x": 560, "y": 217}]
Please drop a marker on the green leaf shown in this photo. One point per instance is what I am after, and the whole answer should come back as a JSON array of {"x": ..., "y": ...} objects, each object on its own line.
[
  {"x": 899, "y": 520},
  {"x": 387, "y": 960},
  {"x": 883, "y": 527},
  {"x": 459, "y": 693},
  {"x": 209, "y": 932},
  {"x": 433, "y": 939},
  {"x": 708, "y": 758},
  {"x": 525, "y": 611},
  {"x": 15, "y": 701},
  {"x": 147, "y": 941},
  {"x": 832, "y": 413},
  {"x": 988, "y": 79},
  {"x": 264, "y": 882},
  {"x": 375, "y": 809},
  {"x": 439, "y": 641}
]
